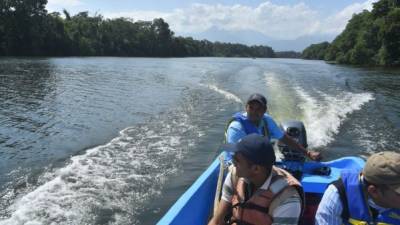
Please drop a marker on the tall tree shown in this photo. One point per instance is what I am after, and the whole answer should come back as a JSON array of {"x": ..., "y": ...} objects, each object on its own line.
[
  {"x": 27, "y": 29},
  {"x": 370, "y": 38},
  {"x": 22, "y": 22}
]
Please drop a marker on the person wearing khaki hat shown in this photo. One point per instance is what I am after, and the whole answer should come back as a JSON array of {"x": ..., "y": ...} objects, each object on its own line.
[{"x": 371, "y": 196}]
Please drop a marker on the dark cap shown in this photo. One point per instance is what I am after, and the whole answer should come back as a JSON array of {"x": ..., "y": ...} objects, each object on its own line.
[
  {"x": 383, "y": 168},
  {"x": 255, "y": 148},
  {"x": 258, "y": 98}
]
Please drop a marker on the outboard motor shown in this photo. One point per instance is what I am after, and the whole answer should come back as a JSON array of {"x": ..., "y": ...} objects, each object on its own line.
[
  {"x": 297, "y": 131},
  {"x": 293, "y": 159}
]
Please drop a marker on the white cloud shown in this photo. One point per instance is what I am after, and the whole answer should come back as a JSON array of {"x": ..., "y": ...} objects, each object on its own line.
[
  {"x": 283, "y": 22},
  {"x": 272, "y": 20},
  {"x": 138, "y": 15},
  {"x": 57, "y": 5},
  {"x": 336, "y": 23},
  {"x": 276, "y": 21}
]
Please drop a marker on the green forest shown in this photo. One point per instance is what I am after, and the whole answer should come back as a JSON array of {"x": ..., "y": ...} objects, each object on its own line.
[
  {"x": 27, "y": 29},
  {"x": 370, "y": 38}
]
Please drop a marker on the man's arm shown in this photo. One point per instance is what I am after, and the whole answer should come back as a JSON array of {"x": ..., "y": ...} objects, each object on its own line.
[
  {"x": 313, "y": 155},
  {"x": 222, "y": 210},
  {"x": 224, "y": 204},
  {"x": 277, "y": 133},
  {"x": 289, "y": 209},
  {"x": 234, "y": 132}
]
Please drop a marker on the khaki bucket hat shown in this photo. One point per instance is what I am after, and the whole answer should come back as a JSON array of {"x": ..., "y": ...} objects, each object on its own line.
[{"x": 384, "y": 168}]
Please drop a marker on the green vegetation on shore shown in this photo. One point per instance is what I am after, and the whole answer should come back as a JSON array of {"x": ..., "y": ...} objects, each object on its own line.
[
  {"x": 27, "y": 29},
  {"x": 370, "y": 38},
  {"x": 315, "y": 51},
  {"x": 288, "y": 54}
]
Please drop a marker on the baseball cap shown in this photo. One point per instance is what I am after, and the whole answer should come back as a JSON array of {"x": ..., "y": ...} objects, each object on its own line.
[
  {"x": 255, "y": 148},
  {"x": 384, "y": 168},
  {"x": 259, "y": 98}
]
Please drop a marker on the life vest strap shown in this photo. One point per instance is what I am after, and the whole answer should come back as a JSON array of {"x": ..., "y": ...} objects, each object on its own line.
[
  {"x": 265, "y": 131},
  {"x": 249, "y": 205},
  {"x": 343, "y": 198},
  {"x": 357, "y": 222},
  {"x": 253, "y": 206}
]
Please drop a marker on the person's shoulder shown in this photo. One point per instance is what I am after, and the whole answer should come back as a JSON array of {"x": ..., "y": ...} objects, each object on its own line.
[
  {"x": 331, "y": 196},
  {"x": 235, "y": 124},
  {"x": 288, "y": 198},
  {"x": 230, "y": 171},
  {"x": 269, "y": 120},
  {"x": 268, "y": 117},
  {"x": 331, "y": 189},
  {"x": 286, "y": 206}
]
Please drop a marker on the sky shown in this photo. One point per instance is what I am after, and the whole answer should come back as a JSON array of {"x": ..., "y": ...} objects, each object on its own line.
[{"x": 262, "y": 20}]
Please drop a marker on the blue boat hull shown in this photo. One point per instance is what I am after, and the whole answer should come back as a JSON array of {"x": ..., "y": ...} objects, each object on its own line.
[{"x": 195, "y": 205}]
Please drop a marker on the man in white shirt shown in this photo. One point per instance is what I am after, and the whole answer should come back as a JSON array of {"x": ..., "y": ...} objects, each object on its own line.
[
  {"x": 369, "y": 197},
  {"x": 258, "y": 193}
]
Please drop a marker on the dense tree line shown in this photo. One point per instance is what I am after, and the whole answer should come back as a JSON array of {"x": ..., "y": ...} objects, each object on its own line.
[
  {"x": 315, "y": 51},
  {"x": 27, "y": 29},
  {"x": 288, "y": 54},
  {"x": 370, "y": 38}
]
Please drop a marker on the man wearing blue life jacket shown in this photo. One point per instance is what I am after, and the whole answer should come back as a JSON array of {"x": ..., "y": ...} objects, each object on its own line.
[
  {"x": 369, "y": 197},
  {"x": 256, "y": 120}
]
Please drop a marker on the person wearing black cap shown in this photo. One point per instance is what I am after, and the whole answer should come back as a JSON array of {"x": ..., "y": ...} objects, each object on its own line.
[
  {"x": 256, "y": 120},
  {"x": 263, "y": 194}
]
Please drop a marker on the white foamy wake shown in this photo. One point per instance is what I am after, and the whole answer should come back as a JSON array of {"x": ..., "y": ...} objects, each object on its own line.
[
  {"x": 323, "y": 117},
  {"x": 375, "y": 135},
  {"x": 108, "y": 184},
  {"x": 226, "y": 94},
  {"x": 282, "y": 104},
  {"x": 371, "y": 140}
]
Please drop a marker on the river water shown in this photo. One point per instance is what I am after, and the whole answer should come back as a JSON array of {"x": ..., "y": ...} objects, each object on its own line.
[{"x": 118, "y": 140}]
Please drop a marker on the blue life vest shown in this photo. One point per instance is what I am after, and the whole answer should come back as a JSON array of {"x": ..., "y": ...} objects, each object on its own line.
[
  {"x": 248, "y": 126},
  {"x": 358, "y": 209}
]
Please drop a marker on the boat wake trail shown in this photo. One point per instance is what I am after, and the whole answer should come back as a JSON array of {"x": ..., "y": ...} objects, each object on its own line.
[
  {"x": 324, "y": 116},
  {"x": 108, "y": 184},
  {"x": 226, "y": 94},
  {"x": 281, "y": 97}
]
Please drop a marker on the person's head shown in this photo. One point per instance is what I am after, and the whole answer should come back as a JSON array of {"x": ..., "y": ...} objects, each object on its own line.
[
  {"x": 256, "y": 106},
  {"x": 382, "y": 179},
  {"x": 254, "y": 156}
]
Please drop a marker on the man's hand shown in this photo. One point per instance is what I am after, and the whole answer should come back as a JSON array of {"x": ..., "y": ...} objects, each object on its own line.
[
  {"x": 223, "y": 209},
  {"x": 313, "y": 155}
]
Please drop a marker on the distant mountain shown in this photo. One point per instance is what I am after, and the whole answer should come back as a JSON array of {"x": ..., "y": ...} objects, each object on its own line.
[
  {"x": 298, "y": 44},
  {"x": 250, "y": 37}
]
